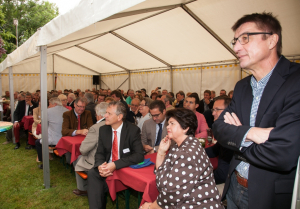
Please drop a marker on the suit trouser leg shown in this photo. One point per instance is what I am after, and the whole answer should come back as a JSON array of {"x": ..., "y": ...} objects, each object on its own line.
[
  {"x": 38, "y": 147},
  {"x": 81, "y": 183},
  {"x": 97, "y": 188},
  {"x": 9, "y": 135}
]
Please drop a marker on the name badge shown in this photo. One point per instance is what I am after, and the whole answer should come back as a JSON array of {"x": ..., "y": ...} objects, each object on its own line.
[{"x": 126, "y": 150}]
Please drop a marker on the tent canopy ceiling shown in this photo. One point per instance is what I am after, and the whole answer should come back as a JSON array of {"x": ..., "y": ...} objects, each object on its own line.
[{"x": 101, "y": 37}]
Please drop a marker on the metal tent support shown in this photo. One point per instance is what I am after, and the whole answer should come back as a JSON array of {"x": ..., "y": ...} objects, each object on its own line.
[
  {"x": 11, "y": 90},
  {"x": 43, "y": 80}
]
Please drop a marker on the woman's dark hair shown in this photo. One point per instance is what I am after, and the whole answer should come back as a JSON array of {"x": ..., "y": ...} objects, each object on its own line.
[{"x": 186, "y": 119}]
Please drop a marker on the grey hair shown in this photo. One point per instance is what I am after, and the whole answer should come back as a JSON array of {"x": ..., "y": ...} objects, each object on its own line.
[
  {"x": 55, "y": 100},
  {"x": 168, "y": 98},
  {"x": 148, "y": 101},
  {"x": 121, "y": 109},
  {"x": 101, "y": 108},
  {"x": 89, "y": 97},
  {"x": 72, "y": 96},
  {"x": 82, "y": 99},
  {"x": 62, "y": 97}
]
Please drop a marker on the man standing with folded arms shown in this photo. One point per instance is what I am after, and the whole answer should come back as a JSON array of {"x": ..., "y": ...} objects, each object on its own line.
[
  {"x": 119, "y": 146},
  {"x": 262, "y": 122}
]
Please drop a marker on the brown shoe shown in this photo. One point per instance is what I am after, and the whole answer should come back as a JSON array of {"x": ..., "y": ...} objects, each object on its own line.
[{"x": 79, "y": 192}]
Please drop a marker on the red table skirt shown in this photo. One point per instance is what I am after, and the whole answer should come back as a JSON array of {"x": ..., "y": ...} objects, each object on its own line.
[
  {"x": 38, "y": 129},
  {"x": 70, "y": 144},
  {"x": 28, "y": 121}
]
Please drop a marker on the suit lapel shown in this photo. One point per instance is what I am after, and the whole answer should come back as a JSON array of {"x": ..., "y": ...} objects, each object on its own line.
[
  {"x": 154, "y": 132},
  {"x": 247, "y": 99},
  {"x": 123, "y": 138},
  {"x": 275, "y": 82}
]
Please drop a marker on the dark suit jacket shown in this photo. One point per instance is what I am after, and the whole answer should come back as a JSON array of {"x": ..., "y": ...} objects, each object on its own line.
[
  {"x": 71, "y": 104},
  {"x": 91, "y": 107},
  {"x": 201, "y": 106},
  {"x": 70, "y": 122},
  {"x": 180, "y": 104},
  {"x": 20, "y": 110},
  {"x": 273, "y": 163},
  {"x": 225, "y": 156},
  {"x": 130, "y": 141}
]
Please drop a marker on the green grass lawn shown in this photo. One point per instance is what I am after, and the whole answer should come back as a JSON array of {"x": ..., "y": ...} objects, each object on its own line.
[{"x": 21, "y": 182}]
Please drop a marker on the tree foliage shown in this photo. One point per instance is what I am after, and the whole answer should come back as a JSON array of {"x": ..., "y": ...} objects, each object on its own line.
[{"x": 31, "y": 15}]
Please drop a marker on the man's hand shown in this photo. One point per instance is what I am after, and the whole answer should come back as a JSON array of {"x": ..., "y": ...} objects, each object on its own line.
[
  {"x": 147, "y": 148},
  {"x": 82, "y": 132},
  {"x": 258, "y": 135},
  {"x": 29, "y": 102},
  {"x": 150, "y": 152},
  {"x": 106, "y": 169},
  {"x": 232, "y": 119},
  {"x": 206, "y": 101}
]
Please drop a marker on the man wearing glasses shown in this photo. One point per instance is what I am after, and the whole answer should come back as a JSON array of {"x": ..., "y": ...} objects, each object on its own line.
[
  {"x": 78, "y": 120},
  {"x": 262, "y": 122},
  {"x": 154, "y": 129}
]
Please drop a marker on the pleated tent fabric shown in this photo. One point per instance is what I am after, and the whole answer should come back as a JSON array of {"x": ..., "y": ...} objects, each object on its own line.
[{"x": 174, "y": 44}]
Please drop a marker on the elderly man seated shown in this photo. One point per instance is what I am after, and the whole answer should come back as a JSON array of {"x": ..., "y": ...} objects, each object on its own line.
[
  {"x": 24, "y": 108},
  {"x": 88, "y": 148},
  {"x": 76, "y": 121},
  {"x": 55, "y": 119}
]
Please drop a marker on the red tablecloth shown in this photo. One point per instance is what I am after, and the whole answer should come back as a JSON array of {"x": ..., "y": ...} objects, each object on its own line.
[
  {"x": 70, "y": 144},
  {"x": 142, "y": 180},
  {"x": 28, "y": 121},
  {"x": 38, "y": 129}
]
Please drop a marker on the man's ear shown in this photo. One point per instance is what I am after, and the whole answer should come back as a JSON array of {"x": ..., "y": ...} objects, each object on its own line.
[
  {"x": 120, "y": 117},
  {"x": 273, "y": 40}
]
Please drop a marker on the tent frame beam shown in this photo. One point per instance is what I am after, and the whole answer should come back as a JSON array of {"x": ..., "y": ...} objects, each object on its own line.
[
  {"x": 141, "y": 49},
  {"x": 76, "y": 63},
  {"x": 97, "y": 55},
  {"x": 208, "y": 29}
]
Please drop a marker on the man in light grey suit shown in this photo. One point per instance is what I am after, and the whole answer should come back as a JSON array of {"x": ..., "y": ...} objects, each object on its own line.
[
  {"x": 88, "y": 148},
  {"x": 155, "y": 128},
  {"x": 55, "y": 120}
]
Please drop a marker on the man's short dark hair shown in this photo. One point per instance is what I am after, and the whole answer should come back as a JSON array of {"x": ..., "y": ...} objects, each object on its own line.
[
  {"x": 223, "y": 90},
  {"x": 181, "y": 93},
  {"x": 185, "y": 117},
  {"x": 195, "y": 95},
  {"x": 208, "y": 92},
  {"x": 158, "y": 104},
  {"x": 117, "y": 93},
  {"x": 226, "y": 99},
  {"x": 28, "y": 94},
  {"x": 266, "y": 22},
  {"x": 121, "y": 109},
  {"x": 171, "y": 93},
  {"x": 143, "y": 90}
]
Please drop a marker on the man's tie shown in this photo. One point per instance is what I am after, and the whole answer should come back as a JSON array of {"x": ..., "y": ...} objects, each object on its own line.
[
  {"x": 115, "y": 152},
  {"x": 78, "y": 118},
  {"x": 158, "y": 139}
]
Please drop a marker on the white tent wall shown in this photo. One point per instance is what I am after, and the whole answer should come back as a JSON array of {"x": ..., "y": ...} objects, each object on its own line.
[
  {"x": 115, "y": 81},
  {"x": 25, "y": 82},
  {"x": 67, "y": 81}
]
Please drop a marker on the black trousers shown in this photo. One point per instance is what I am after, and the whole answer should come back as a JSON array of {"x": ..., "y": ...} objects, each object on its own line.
[
  {"x": 97, "y": 189},
  {"x": 38, "y": 147}
]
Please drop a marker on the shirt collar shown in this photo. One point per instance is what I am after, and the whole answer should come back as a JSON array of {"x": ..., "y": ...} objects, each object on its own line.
[
  {"x": 102, "y": 119},
  {"x": 118, "y": 129}
]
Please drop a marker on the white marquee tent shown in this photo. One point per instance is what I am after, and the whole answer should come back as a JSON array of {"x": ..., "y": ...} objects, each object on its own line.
[
  {"x": 144, "y": 44},
  {"x": 175, "y": 44}
]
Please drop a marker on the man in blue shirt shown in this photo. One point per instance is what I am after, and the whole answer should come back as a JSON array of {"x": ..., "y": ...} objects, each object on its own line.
[{"x": 262, "y": 122}]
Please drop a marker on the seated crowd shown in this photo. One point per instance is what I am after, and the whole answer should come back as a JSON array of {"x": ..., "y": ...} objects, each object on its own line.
[{"x": 139, "y": 125}]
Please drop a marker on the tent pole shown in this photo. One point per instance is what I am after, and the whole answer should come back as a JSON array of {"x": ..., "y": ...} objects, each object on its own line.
[
  {"x": 171, "y": 74},
  {"x": 11, "y": 90},
  {"x": 129, "y": 81},
  {"x": 100, "y": 82},
  {"x": 53, "y": 75},
  {"x": 1, "y": 113},
  {"x": 43, "y": 80}
]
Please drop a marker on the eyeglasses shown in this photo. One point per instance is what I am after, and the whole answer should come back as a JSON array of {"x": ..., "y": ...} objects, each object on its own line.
[
  {"x": 155, "y": 116},
  {"x": 134, "y": 105},
  {"x": 80, "y": 106},
  {"x": 216, "y": 109},
  {"x": 142, "y": 105},
  {"x": 244, "y": 38}
]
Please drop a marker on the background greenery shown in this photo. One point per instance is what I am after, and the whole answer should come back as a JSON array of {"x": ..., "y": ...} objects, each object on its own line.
[
  {"x": 21, "y": 184},
  {"x": 31, "y": 14}
]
